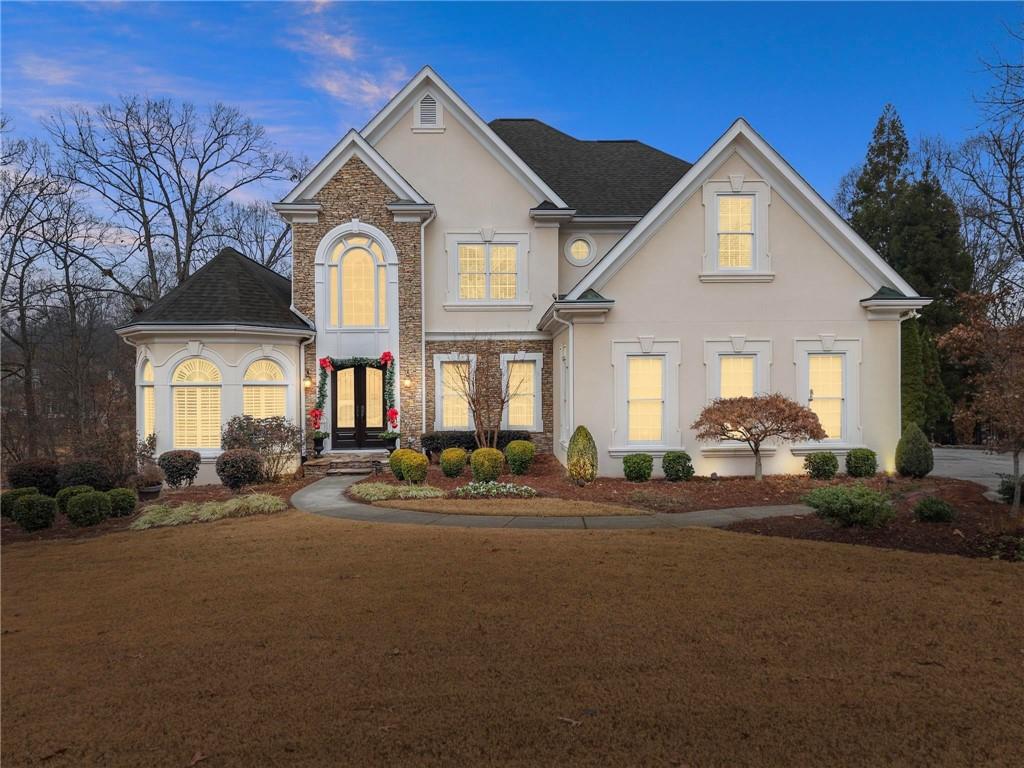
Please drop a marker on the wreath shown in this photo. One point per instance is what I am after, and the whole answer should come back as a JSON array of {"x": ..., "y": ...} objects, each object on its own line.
[{"x": 386, "y": 363}]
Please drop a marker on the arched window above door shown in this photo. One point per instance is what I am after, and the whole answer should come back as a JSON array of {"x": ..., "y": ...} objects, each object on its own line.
[{"x": 357, "y": 283}]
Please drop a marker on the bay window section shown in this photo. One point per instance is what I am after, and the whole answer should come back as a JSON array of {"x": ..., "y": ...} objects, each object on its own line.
[
  {"x": 196, "y": 388},
  {"x": 148, "y": 401},
  {"x": 264, "y": 390}
]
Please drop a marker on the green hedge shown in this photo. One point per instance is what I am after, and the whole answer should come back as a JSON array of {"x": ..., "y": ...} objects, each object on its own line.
[
  {"x": 519, "y": 455},
  {"x": 581, "y": 457},
  {"x": 414, "y": 467},
  {"x": 914, "y": 453},
  {"x": 34, "y": 473},
  {"x": 453, "y": 461},
  {"x": 9, "y": 498},
  {"x": 85, "y": 473},
  {"x": 33, "y": 512},
  {"x": 637, "y": 467},
  {"x": 64, "y": 495},
  {"x": 239, "y": 467},
  {"x": 821, "y": 466},
  {"x": 395, "y": 461},
  {"x": 849, "y": 505},
  {"x": 487, "y": 464},
  {"x": 122, "y": 501},
  {"x": 88, "y": 508},
  {"x": 435, "y": 442},
  {"x": 180, "y": 467},
  {"x": 677, "y": 466},
  {"x": 861, "y": 462},
  {"x": 933, "y": 510}
]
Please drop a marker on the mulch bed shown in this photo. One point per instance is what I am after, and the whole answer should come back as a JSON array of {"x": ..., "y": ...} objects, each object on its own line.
[{"x": 63, "y": 529}]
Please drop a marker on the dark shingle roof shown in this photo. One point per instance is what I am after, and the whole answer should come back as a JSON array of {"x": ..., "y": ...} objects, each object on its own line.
[
  {"x": 597, "y": 178},
  {"x": 230, "y": 289},
  {"x": 884, "y": 293}
]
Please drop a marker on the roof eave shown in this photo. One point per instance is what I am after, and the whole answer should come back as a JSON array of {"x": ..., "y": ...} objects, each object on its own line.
[
  {"x": 151, "y": 328},
  {"x": 579, "y": 311}
]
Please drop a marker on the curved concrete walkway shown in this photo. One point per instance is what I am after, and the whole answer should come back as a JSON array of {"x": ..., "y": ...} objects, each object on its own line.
[{"x": 326, "y": 497}]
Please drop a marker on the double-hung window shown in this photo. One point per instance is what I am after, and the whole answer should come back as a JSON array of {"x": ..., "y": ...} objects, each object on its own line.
[
  {"x": 488, "y": 271},
  {"x": 264, "y": 390},
  {"x": 521, "y": 375},
  {"x": 828, "y": 382},
  {"x": 826, "y": 392},
  {"x": 735, "y": 232},
  {"x": 645, "y": 406},
  {"x": 736, "y": 228},
  {"x": 453, "y": 386},
  {"x": 196, "y": 385},
  {"x": 738, "y": 375}
]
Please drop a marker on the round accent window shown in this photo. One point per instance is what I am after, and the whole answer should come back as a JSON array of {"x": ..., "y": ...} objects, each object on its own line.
[{"x": 579, "y": 251}]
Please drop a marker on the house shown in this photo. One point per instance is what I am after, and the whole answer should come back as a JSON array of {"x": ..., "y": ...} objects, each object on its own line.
[{"x": 623, "y": 288}]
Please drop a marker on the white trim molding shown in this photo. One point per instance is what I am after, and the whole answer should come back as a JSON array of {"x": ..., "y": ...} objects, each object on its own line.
[
  {"x": 537, "y": 358},
  {"x": 567, "y": 250},
  {"x": 440, "y": 359},
  {"x": 487, "y": 237},
  {"x": 670, "y": 351},
  {"x": 712, "y": 192},
  {"x": 737, "y": 345}
]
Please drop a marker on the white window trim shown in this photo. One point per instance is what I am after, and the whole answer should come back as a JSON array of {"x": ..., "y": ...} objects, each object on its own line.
[
  {"x": 439, "y": 390},
  {"x": 566, "y": 251},
  {"x": 417, "y": 124},
  {"x": 739, "y": 345},
  {"x": 761, "y": 268},
  {"x": 283, "y": 384},
  {"x": 829, "y": 344},
  {"x": 204, "y": 452},
  {"x": 488, "y": 237},
  {"x": 378, "y": 268},
  {"x": 537, "y": 358},
  {"x": 671, "y": 434}
]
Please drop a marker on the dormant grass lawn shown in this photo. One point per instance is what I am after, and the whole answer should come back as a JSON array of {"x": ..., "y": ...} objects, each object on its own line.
[
  {"x": 547, "y": 507},
  {"x": 299, "y": 640}
]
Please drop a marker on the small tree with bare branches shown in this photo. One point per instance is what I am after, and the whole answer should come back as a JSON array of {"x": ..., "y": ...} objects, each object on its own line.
[{"x": 753, "y": 420}]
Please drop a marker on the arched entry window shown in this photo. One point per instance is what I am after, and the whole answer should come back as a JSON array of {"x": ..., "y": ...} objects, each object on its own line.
[
  {"x": 357, "y": 284},
  {"x": 196, "y": 387},
  {"x": 148, "y": 401},
  {"x": 264, "y": 390}
]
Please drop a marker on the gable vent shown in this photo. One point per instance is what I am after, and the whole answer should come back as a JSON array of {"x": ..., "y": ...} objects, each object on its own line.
[{"x": 428, "y": 111}]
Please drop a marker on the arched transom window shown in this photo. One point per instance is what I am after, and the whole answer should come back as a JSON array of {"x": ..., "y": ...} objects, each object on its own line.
[
  {"x": 196, "y": 387},
  {"x": 148, "y": 401},
  {"x": 264, "y": 390},
  {"x": 357, "y": 284}
]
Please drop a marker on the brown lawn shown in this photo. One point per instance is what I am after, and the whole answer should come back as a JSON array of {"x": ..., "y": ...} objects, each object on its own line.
[
  {"x": 301, "y": 640},
  {"x": 549, "y": 507}
]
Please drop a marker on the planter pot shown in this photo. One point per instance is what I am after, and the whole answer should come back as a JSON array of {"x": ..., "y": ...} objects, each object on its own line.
[
  {"x": 318, "y": 446},
  {"x": 149, "y": 493}
]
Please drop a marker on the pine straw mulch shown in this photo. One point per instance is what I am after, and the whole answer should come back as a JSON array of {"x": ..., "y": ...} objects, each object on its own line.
[{"x": 63, "y": 529}]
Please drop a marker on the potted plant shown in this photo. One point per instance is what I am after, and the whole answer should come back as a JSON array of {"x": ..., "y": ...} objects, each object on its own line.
[
  {"x": 391, "y": 440},
  {"x": 318, "y": 441},
  {"x": 149, "y": 481}
]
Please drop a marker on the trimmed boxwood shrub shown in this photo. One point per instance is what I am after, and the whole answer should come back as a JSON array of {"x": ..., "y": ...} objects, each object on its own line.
[
  {"x": 395, "y": 461},
  {"x": 64, "y": 495},
  {"x": 180, "y": 467},
  {"x": 848, "y": 505},
  {"x": 486, "y": 464},
  {"x": 821, "y": 466},
  {"x": 637, "y": 467},
  {"x": 933, "y": 510},
  {"x": 88, "y": 508},
  {"x": 861, "y": 462},
  {"x": 519, "y": 455},
  {"x": 122, "y": 501},
  {"x": 34, "y": 473},
  {"x": 914, "y": 453},
  {"x": 677, "y": 466},
  {"x": 581, "y": 457},
  {"x": 435, "y": 442},
  {"x": 8, "y": 499},
  {"x": 414, "y": 467},
  {"x": 453, "y": 461},
  {"x": 85, "y": 473},
  {"x": 239, "y": 467},
  {"x": 34, "y": 511}
]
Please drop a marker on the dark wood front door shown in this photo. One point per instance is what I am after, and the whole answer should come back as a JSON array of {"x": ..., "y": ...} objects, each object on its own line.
[{"x": 359, "y": 414}]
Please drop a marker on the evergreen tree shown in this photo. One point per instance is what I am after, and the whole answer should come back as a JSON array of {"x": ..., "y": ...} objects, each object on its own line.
[
  {"x": 882, "y": 180},
  {"x": 938, "y": 408},
  {"x": 912, "y": 391}
]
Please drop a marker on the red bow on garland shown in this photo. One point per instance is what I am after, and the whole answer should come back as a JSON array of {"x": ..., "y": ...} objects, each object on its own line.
[
  {"x": 386, "y": 359},
  {"x": 326, "y": 364},
  {"x": 315, "y": 415},
  {"x": 393, "y": 417}
]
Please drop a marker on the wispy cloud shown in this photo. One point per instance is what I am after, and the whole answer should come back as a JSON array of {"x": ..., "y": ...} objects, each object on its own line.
[
  {"x": 318, "y": 43},
  {"x": 48, "y": 71},
  {"x": 314, "y": 6},
  {"x": 361, "y": 89}
]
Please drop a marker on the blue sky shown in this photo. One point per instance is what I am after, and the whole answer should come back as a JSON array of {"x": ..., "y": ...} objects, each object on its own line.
[{"x": 811, "y": 78}]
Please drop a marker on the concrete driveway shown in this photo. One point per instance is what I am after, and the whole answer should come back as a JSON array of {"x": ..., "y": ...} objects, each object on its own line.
[{"x": 972, "y": 464}]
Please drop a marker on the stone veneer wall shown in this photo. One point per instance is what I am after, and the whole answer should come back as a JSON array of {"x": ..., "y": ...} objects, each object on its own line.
[
  {"x": 355, "y": 192},
  {"x": 496, "y": 348}
]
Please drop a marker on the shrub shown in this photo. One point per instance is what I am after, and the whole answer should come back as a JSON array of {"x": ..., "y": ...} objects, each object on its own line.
[
  {"x": 486, "y": 464},
  {"x": 239, "y": 467},
  {"x": 385, "y": 491},
  {"x": 395, "y": 462},
  {"x": 122, "y": 501},
  {"x": 581, "y": 457},
  {"x": 492, "y": 490},
  {"x": 848, "y": 505},
  {"x": 519, "y": 455},
  {"x": 149, "y": 476},
  {"x": 861, "y": 462},
  {"x": 1006, "y": 487},
  {"x": 9, "y": 498},
  {"x": 85, "y": 473},
  {"x": 821, "y": 466},
  {"x": 276, "y": 439},
  {"x": 435, "y": 442},
  {"x": 160, "y": 515},
  {"x": 914, "y": 453},
  {"x": 88, "y": 508},
  {"x": 414, "y": 467},
  {"x": 34, "y": 473},
  {"x": 180, "y": 467},
  {"x": 637, "y": 467},
  {"x": 453, "y": 461},
  {"x": 64, "y": 495},
  {"x": 34, "y": 511},
  {"x": 677, "y": 466},
  {"x": 933, "y": 510}
]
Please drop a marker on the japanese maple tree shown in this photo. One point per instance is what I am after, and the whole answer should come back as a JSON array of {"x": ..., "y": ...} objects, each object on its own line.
[{"x": 753, "y": 420}]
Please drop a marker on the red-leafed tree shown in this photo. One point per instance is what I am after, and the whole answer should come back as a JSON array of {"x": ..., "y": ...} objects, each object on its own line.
[
  {"x": 990, "y": 342},
  {"x": 753, "y": 420}
]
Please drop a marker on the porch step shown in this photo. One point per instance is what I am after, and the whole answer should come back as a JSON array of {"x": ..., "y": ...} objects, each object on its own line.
[{"x": 347, "y": 463}]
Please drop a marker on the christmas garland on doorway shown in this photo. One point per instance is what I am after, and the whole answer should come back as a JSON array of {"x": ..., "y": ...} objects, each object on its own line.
[{"x": 386, "y": 363}]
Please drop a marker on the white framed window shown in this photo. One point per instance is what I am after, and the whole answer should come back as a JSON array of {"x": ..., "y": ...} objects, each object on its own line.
[
  {"x": 428, "y": 115},
  {"x": 147, "y": 395},
  {"x": 828, "y": 382},
  {"x": 737, "y": 366},
  {"x": 357, "y": 284},
  {"x": 264, "y": 390},
  {"x": 580, "y": 250},
  {"x": 487, "y": 272},
  {"x": 521, "y": 373},
  {"x": 736, "y": 230},
  {"x": 196, "y": 396},
  {"x": 646, "y": 396},
  {"x": 452, "y": 374}
]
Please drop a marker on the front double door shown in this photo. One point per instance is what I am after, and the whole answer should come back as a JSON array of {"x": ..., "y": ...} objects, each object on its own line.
[{"x": 359, "y": 414}]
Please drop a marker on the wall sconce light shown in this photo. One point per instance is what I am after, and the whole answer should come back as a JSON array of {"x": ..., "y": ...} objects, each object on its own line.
[
  {"x": 407, "y": 382},
  {"x": 307, "y": 382}
]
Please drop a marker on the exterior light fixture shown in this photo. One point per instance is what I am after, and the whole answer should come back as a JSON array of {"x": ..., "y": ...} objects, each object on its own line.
[{"x": 307, "y": 382}]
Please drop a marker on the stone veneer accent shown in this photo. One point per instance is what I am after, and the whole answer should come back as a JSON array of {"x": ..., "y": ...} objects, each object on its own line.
[
  {"x": 355, "y": 192},
  {"x": 496, "y": 348}
]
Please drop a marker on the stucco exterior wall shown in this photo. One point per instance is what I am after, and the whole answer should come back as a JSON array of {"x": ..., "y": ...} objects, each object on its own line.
[{"x": 603, "y": 238}]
